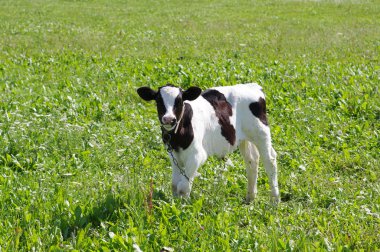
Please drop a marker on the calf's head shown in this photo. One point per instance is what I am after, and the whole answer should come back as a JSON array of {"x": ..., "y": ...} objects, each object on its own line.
[{"x": 169, "y": 100}]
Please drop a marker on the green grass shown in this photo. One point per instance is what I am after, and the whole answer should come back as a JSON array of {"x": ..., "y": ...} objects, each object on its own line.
[{"x": 79, "y": 150}]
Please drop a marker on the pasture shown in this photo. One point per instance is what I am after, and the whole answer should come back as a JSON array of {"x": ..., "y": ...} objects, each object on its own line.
[{"x": 82, "y": 164}]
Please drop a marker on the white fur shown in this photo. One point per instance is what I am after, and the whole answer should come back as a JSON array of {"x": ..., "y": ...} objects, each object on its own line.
[
  {"x": 252, "y": 137},
  {"x": 168, "y": 95}
]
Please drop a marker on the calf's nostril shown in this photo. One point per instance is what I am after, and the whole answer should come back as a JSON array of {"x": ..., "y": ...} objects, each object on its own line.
[{"x": 169, "y": 120}]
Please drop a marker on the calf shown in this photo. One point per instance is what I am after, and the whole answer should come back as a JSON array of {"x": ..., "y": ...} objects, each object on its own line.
[{"x": 198, "y": 124}]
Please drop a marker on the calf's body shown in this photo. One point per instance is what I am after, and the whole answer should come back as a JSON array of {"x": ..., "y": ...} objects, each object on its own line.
[{"x": 215, "y": 122}]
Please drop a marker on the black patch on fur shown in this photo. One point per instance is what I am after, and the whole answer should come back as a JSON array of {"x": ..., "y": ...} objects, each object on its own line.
[
  {"x": 185, "y": 134},
  {"x": 178, "y": 106},
  {"x": 223, "y": 111},
  {"x": 258, "y": 109},
  {"x": 161, "y": 109}
]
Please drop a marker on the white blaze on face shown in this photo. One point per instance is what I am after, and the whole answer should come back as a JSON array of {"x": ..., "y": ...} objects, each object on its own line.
[{"x": 169, "y": 94}]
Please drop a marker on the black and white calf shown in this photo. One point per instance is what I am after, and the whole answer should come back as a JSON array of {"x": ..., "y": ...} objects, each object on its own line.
[{"x": 215, "y": 122}]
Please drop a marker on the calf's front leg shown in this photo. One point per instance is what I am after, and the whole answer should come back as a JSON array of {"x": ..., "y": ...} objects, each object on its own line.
[{"x": 181, "y": 185}]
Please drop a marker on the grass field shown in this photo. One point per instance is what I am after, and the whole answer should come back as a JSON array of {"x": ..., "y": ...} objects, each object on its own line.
[{"x": 80, "y": 153}]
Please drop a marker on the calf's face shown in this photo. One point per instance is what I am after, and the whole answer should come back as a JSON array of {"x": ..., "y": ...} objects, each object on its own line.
[{"x": 169, "y": 101}]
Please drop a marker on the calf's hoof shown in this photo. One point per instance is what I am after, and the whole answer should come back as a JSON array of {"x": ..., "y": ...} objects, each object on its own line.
[
  {"x": 250, "y": 197},
  {"x": 275, "y": 200},
  {"x": 183, "y": 189}
]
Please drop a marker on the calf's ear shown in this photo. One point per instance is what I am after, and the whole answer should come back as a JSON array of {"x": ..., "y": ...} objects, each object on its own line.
[
  {"x": 147, "y": 93},
  {"x": 191, "y": 93}
]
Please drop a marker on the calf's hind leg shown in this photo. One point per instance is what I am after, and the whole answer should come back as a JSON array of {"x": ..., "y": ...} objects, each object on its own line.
[
  {"x": 268, "y": 154},
  {"x": 251, "y": 158}
]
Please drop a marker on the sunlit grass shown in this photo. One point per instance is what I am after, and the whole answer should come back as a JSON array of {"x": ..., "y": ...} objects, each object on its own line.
[{"x": 79, "y": 149}]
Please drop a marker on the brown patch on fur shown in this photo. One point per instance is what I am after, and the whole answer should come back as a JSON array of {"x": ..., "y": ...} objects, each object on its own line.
[
  {"x": 185, "y": 134},
  {"x": 223, "y": 111},
  {"x": 258, "y": 109}
]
